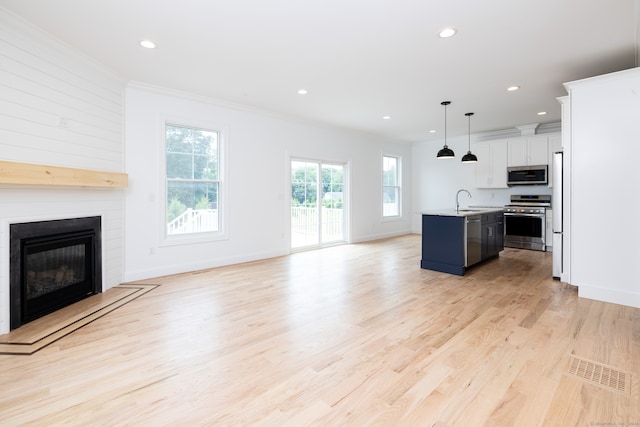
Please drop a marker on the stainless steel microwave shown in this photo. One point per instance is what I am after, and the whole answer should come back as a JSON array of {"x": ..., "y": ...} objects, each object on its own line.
[{"x": 528, "y": 175}]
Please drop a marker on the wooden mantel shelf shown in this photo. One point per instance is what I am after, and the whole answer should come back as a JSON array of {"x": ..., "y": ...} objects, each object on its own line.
[{"x": 31, "y": 174}]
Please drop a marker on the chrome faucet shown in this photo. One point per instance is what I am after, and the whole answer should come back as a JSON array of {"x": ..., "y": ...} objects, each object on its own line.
[{"x": 457, "y": 201}]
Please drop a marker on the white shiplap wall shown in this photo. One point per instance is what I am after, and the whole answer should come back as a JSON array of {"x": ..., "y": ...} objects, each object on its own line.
[{"x": 57, "y": 107}]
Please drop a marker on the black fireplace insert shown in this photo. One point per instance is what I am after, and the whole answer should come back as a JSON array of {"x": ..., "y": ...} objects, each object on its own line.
[{"x": 53, "y": 264}]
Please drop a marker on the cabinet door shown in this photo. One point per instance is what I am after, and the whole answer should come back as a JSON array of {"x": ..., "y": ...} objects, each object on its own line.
[
  {"x": 518, "y": 153},
  {"x": 482, "y": 177},
  {"x": 489, "y": 248},
  {"x": 491, "y": 168},
  {"x": 499, "y": 164},
  {"x": 538, "y": 148},
  {"x": 500, "y": 234},
  {"x": 555, "y": 145},
  {"x": 532, "y": 151}
]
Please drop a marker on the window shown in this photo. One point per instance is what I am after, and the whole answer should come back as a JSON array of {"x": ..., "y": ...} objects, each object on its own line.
[
  {"x": 390, "y": 186},
  {"x": 193, "y": 180}
]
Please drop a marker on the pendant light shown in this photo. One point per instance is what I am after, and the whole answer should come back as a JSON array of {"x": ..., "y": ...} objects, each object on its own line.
[
  {"x": 445, "y": 152},
  {"x": 469, "y": 157}
]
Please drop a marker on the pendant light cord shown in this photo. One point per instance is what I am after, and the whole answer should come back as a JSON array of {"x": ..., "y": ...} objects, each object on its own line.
[{"x": 445, "y": 103}]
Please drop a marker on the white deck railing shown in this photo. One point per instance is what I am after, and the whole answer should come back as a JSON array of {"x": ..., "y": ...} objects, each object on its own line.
[
  {"x": 304, "y": 221},
  {"x": 304, "y": 225},
  {"x": 194, "y": 221}
]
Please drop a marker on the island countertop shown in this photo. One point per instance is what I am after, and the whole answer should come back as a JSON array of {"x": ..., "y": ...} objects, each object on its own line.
[{"x": 463, "y": 211}]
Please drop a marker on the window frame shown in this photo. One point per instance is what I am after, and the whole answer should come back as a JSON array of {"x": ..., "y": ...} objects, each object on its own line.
[
  {"x": 208, "y": 236},
  {"x": 397, "y": 187}
]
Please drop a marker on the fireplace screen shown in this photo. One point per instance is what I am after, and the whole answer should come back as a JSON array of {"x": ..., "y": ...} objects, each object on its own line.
[{"x": 54, "y": 269}]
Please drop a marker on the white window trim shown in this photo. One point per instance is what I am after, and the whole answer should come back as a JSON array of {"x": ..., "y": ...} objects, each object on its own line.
[
  {"x": 397, "y": 217},
  {"x": 223, "y": 177}
]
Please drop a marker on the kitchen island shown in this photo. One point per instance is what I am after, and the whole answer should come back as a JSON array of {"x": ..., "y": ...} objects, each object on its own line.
[{"x": 454, "y": 240}]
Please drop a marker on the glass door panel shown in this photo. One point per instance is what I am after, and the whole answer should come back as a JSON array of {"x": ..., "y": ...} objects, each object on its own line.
[
  {"x": 332, "y": 214},
  {"x": 317, "y": 206},
  {"x": 304, "y": 204}
]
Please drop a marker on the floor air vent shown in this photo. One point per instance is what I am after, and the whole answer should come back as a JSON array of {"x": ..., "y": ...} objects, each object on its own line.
[{"x": 598, "y": 374}]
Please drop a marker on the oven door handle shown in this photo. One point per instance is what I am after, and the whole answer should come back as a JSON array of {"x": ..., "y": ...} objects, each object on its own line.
[{"x": 524, "y": 214}]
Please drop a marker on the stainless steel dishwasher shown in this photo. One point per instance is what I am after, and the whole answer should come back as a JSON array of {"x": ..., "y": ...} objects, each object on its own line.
[{"x": 474, "y": 240}]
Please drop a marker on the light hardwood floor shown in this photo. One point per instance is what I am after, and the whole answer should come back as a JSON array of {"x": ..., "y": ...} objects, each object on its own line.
[{"x": 352, "y": 335}]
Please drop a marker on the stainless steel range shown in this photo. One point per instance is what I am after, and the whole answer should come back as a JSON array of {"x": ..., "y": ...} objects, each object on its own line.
[{"x": 525, "y": 222}]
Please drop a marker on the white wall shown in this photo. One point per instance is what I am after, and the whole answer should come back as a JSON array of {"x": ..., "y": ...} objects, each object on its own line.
[
  {"x": 260, "y": 146},
  {"x": 605, "y": 200},
  {"x": 41, "y": 81}
]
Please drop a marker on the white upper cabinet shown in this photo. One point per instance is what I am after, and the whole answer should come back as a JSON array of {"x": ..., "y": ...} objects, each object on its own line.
[
  {"x": 533, "y": 150},
  {"x": 555, "y": 145},
  {"x": 491, "y": 168}
]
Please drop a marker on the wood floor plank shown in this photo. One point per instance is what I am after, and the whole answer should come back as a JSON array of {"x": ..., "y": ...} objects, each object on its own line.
[{"x": 351, "y": 335}]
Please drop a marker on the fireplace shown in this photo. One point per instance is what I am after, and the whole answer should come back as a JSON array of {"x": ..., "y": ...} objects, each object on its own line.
[{"x": 53, "y": 264}]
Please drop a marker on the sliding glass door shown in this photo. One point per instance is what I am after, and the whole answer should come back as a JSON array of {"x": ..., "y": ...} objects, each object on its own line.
[{"x": 317, "y": 203}]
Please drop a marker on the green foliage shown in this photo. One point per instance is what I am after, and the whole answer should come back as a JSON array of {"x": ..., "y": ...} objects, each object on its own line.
[
  {"x": 203, "y": 203},
  {"x": 304, "y": 184},
  {"x": 192, "y": 169},
  {"x": 333, "y": 204},
  {"x": 175, "y": 209}
]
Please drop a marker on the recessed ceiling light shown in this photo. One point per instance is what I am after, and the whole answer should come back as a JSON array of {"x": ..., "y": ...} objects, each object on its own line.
[
  {"x": 513, "y": 88},
  {"x": 148, "y": 44},
  {"x": 447, "y": 32},
  {"x": 302, "y": 92},
  {"x": 432, "y": 131},
  {"x": 542, "y": 113},
  {"x": 386, "y": 117}
]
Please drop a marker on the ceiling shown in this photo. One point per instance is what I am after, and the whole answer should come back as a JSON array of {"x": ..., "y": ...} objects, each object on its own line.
[{"x": 359, "y": 60}]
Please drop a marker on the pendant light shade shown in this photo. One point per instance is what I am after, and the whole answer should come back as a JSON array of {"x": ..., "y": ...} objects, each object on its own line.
[
  {"x": 469, "y": 157},
  {"x": 445, "y": 152}
]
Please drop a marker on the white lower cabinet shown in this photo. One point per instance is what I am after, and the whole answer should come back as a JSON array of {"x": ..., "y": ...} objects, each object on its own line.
[{"x": 491, "y": 168}]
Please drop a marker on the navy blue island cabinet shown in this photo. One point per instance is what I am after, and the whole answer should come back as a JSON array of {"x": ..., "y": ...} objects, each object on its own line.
[
  {"x": 454, "y": 241},
  {"x": 443, "y": 243}
]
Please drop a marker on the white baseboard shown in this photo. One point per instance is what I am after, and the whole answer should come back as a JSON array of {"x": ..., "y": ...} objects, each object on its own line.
[
  {"x": 630, "y": 299},
  {"x": 379, "y": 236},
  {"x": 160, "y": 271}
]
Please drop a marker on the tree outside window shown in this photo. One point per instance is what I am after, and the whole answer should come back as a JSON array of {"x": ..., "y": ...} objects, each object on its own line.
[{"x": 193, "y": 183}]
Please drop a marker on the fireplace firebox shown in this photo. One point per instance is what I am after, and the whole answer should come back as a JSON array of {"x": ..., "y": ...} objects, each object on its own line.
[{"x": 53, "y": 264}]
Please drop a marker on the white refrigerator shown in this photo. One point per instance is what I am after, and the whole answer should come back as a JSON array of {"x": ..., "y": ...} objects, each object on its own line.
[{"x": 557, "y": 215}]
